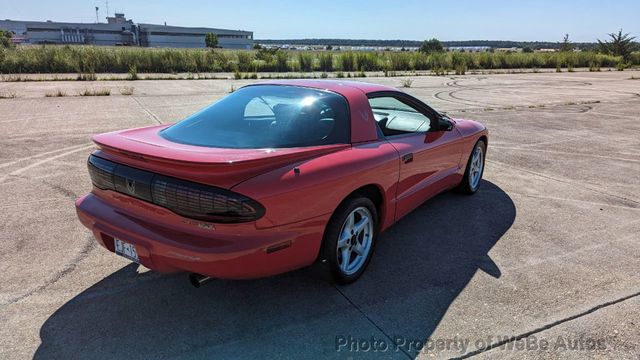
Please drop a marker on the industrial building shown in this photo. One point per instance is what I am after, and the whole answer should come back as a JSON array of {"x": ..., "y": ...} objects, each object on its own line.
[
  {"x": 186, "y": 37},
  {"x": 120, "y": 31}
]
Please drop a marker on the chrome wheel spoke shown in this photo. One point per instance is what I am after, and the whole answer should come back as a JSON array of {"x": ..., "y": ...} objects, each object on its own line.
[
  {"x": 346, "y": 256},
  {"x": 357, "y": 228},
  {"x": 348, "y": 225},
  {"x": 358, "y": 249},
  {"x": 344, "y": 239}
]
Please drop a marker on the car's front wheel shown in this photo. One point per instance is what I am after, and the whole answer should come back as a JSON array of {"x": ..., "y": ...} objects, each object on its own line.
[
  {"x": 350, "y": 239},
  {"x": 475, "y": 168}
]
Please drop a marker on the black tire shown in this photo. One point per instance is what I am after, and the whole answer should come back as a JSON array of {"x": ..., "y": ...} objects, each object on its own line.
[
  {"x": 466, "y": 185},
  {"x": 330, "y": 255}
]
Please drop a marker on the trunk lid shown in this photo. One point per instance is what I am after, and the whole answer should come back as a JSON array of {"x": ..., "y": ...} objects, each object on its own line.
[{"x": 145, "y": 149}]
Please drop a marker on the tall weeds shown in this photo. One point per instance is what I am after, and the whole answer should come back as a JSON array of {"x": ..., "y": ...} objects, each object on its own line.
[{"x": 93, "y": 59}]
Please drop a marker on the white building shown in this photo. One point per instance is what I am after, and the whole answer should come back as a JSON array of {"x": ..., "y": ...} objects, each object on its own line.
[{"x": 120, "y": 31}]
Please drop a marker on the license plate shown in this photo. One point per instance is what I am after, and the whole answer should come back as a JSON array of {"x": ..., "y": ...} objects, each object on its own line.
[{"x": 126, "y": 250}]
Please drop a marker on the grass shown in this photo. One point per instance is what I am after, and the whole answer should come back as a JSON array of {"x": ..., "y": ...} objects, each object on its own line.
[
  {"x": 127, "y": 90},
  {"x": 133, "y": 73},
  {"x": 96, "y": 92},
  {"x": 8, "y": 95},
  {"x": 87, "y": 60},
  {"x": 87, "y": 77},
  {"x": 263, "y": 75},
  {"x": 56, "y": 93}
]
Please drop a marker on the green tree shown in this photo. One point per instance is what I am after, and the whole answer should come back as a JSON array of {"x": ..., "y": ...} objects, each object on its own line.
[
  {"x": 211, "y": 40},
  {"x": 5, "y": 39},
  {"x": 431, "y": 46},
  {"x": 527, "y": 49},
  {"x": 619, "y": 45},
  {"x": 566, "y": 44}
]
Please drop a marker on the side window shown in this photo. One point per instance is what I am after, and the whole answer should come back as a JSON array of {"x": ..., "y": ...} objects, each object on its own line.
[{"x": 394, "y": 117}]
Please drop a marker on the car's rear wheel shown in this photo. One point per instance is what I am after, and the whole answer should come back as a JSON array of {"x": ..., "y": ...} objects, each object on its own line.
[
  {"x": 350, "y": 239},
  {"x": 475, "y": 168}
]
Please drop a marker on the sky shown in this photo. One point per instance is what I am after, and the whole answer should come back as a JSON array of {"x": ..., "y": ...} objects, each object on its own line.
[{"x": 520, "y": 20}]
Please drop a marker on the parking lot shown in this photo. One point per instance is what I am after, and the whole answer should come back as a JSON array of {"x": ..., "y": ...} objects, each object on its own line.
[{"x": 547, "y": 250}]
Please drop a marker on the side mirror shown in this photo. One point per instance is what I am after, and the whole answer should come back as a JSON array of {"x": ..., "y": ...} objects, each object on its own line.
[{"x": 444, "y": 124}]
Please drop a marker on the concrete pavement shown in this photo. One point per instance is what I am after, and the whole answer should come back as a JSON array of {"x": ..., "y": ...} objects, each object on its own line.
[{"x": 547, "y": 249}]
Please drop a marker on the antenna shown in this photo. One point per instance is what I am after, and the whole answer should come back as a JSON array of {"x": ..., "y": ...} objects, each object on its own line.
[
  {"x": 107, "y": 1},
  {"x": 97, "y": 18}
]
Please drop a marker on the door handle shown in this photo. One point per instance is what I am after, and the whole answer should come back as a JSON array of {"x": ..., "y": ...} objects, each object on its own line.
[{"x": 407, "y": 158}]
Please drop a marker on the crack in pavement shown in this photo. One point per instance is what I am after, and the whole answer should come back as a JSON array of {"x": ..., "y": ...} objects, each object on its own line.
[
  {"x": 23, "y": 203},
  {"x": 42, "y": 154},
  {"x": 84, "y": 252},
  {"x": 559, "y": 152},
  {"x": 89, "y": 245},
  {"x": 546, "y": 327},
  {"x": 371, "y": 321},
  {"x": 146, "y": 110},
  {"x": 576, "y": 200},
  {"x": 564, "y": 181},
  {"x": 38, "y": 163}
]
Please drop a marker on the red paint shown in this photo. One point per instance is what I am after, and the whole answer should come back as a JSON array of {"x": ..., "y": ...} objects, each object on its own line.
[{"x": 298, "y": 203}]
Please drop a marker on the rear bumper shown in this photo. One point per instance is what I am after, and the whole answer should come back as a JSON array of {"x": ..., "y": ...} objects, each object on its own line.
[{"x": 166, "y": 242}]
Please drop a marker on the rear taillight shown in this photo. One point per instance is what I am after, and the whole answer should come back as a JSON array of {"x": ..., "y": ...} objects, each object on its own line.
[
  {"x": 203, "y": 202},
  {"x": 186, "y": 198},
  {"x": 101, "y": 172}
]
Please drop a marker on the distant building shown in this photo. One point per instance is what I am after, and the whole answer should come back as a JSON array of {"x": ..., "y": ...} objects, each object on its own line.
[
  {"x": 186, "y": 37},
  {"x": 121, "y": 31},
  {"x": 470, "y": 48},
  {"x": 337, "y": 48},
  {"x": 118, "y": 18},
  {"x": 511, "y": 49}
]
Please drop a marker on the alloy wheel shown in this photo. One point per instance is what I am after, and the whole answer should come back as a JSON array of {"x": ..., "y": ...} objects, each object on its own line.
[
  {"x": 475, "y": 170},
  {"x": 356, "y": 238}
]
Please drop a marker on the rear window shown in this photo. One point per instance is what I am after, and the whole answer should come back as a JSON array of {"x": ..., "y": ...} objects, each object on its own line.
[{"x": 267, "y": 116}]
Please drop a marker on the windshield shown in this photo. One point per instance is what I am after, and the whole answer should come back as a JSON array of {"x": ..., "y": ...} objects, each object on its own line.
[{"x": 267, "y": 116}]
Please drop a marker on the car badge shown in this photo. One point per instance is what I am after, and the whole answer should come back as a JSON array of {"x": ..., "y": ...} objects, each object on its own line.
[{"x": 131, "y": 186}]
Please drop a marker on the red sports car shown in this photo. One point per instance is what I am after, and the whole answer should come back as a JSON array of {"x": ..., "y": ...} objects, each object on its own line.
[{"x": 275, "y": 177}]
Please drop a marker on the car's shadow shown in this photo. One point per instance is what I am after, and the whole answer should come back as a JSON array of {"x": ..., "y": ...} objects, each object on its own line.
[{"x": 420, "y": 266}]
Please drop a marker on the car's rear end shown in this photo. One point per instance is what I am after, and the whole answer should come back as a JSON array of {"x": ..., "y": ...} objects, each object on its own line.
[
  {"x": 164, "y": 196},
  {"x": 180, "y": 225}
]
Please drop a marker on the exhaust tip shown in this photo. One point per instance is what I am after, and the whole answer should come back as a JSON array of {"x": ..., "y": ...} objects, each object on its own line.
[{"x": 198, "y": 280}]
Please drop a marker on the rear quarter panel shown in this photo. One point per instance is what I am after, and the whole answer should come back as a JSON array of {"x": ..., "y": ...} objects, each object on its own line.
[{"x": 322, "y": 183}]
